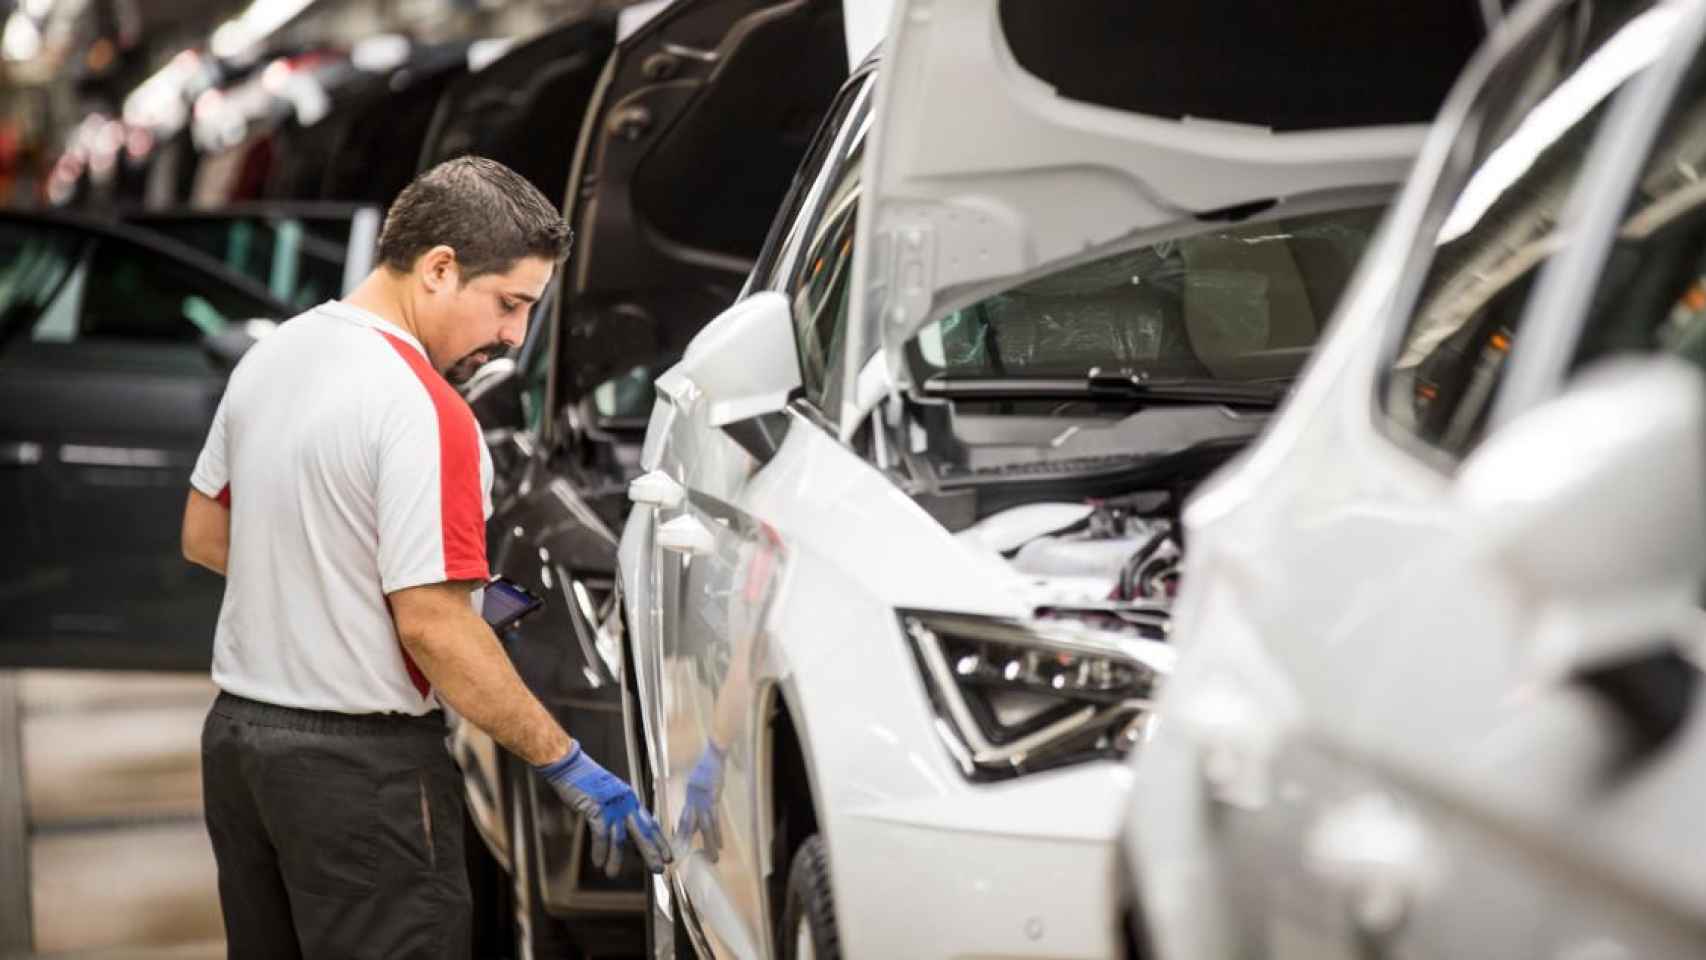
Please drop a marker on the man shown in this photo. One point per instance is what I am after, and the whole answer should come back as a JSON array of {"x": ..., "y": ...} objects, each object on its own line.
[{"x": 343, "y": 493}]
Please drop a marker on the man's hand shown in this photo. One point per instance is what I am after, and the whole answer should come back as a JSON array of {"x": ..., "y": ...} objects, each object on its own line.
[
  {"x": 704, "y": 786},
  {"x": 612, "y": 811}
]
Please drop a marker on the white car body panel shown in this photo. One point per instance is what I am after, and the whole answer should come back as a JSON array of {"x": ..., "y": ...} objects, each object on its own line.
[
  {"x": 794, "y": 605},
  {"x": 1320, "y": 564},
  {"x": 906, "y": 829}
]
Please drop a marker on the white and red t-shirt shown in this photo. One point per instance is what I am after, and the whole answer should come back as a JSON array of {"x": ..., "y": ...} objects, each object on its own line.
[{"x": 352, "y": 470}]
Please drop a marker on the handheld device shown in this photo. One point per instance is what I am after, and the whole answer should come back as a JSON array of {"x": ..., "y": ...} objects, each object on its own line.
[{"x": 506, "y": 603}]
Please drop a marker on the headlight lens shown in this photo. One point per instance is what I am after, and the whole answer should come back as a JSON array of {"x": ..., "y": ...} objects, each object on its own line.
[{"x": 1016, "y": 697}]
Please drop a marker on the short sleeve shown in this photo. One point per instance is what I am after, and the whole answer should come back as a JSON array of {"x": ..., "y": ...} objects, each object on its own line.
[
  {"x": 212, "y": 473},
  {"x": 431, "y": 491}
]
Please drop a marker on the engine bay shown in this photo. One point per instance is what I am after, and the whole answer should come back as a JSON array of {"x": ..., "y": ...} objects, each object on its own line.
[{"x": 1113, "y": 563}]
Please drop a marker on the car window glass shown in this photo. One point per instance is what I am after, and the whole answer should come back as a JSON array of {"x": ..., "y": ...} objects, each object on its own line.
[
  {"x": 1651, "y": 295},
  {"x": 1494, "y": 216},
  {"x": 300, "y": 259},
  {"x": 135, "y": 293},
  {"x": 819, "y": 294},
  {"x": 628, "y": 396},
  {"x": 533, "y": 359},
  {"x": 58, "y": 323},
  {"x": 821, "y": 159},
  {"x": 36, "y": 265},
  {"x": 1241, "y": 303},
  {"x": 822, "y": 279}
]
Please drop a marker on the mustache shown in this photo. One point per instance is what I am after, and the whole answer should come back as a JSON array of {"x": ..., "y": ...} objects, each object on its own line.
[{"x": 473, "y": 360}]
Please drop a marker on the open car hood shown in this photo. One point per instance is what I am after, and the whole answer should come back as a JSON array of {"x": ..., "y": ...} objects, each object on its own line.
[
  {"x": 1014, "y": 138},
  {"x": 686, "y": 151},
  {"x": 514, "y": 108},
  {"x": 364, "y": 149}
]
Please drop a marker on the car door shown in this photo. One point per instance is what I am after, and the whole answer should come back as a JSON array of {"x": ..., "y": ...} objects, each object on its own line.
[
  {"x": 715, "y": 564},
  {"x": 1388, "y": 761},
  {"x": 1564, "y": 820},
  {"x": 106, "y": 395}
]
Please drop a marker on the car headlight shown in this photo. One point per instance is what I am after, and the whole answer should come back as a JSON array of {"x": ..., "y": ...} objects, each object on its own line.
[{"x": 1016, "y": 697}]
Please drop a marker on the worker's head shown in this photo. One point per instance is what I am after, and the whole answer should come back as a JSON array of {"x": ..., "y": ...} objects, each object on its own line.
[{"x": 473, "y": 245}]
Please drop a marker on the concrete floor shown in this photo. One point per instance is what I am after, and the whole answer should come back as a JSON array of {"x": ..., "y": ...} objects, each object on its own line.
[{"x": 120, "y": 867}]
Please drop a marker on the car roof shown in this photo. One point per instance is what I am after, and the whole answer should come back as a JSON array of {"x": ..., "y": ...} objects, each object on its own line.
[{"x": 112, "y": 229}]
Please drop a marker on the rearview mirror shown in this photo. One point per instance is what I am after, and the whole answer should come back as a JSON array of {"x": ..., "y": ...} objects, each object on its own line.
[
  {"x": 746, "y": 369},
  {"x": 1595, "y": 502}
]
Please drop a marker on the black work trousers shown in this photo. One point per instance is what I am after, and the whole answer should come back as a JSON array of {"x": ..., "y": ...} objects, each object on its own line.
[{"x": 337, "y": 836}]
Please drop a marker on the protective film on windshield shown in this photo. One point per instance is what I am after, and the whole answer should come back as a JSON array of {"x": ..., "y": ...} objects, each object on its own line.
[{"x": 1238, "y": 303}]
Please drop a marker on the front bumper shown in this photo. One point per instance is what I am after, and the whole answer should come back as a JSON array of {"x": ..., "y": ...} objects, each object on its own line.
[{"x": 1016, "y": 869}]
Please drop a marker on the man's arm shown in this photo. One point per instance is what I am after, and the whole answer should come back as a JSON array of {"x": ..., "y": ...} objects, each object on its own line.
[
  {"x": 207, "y": 532},
  {"x": 462, "y": 657}
]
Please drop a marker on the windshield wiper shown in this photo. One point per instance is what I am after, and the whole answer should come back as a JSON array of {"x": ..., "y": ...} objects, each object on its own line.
[
  {"x": 1120, "y": 385},
  {"x": 1139, "y": 384}
]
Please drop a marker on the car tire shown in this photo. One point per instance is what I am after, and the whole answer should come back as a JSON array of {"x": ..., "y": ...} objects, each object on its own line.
[{"x": 808, "y": 914}]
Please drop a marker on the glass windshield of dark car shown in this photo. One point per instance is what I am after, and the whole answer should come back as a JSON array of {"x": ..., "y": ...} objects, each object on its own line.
[{"x": 1241, "y": 303}]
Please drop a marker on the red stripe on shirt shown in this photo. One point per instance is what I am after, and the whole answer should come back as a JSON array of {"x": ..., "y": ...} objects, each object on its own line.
[
  {"x": 462, "y": 517},
  {"x": 224, "y": 497}
]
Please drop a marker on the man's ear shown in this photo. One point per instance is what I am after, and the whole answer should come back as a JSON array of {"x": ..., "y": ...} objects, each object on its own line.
[{"x": 437, "y": 268}]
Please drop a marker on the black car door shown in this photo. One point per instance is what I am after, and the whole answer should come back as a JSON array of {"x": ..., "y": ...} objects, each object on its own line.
[{"x": 106, "y": 394}]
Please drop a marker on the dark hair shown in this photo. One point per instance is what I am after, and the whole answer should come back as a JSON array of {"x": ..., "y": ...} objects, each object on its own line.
[{"x": 489, "y": 214}]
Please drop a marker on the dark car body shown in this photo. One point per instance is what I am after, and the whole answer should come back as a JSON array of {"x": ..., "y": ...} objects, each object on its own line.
[
  {"x": 365, "y": 148},
  {"x": 305, "y": 253},
  {"x": 115, "y": 344},
  {"x": 685, "y": 152}
]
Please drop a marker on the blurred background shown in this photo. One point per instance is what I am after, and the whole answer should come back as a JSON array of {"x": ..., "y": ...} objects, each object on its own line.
[
  {"x": 231, "y": 158},
  {"x": 157, "y": 103}
]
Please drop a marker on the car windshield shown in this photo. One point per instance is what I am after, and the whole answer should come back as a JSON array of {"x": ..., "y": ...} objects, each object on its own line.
[
  {"x": 1240, "y": 303},
  {"x": 300, "y": 259}
]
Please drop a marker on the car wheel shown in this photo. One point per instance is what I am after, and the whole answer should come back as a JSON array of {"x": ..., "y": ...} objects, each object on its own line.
[{"x": 808, "y": 912}]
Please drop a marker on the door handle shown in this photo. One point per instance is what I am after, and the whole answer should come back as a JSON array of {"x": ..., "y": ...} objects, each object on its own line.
[
  {"x": 657, "y": 489},
  {"x": 1374, "y": 853},
  {"x": 22, "y": 454},
  {"x": 686, "y": 536}
]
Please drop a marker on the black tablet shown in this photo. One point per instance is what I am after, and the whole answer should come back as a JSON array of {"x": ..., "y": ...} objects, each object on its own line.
[{"x": 506, "y": 602}]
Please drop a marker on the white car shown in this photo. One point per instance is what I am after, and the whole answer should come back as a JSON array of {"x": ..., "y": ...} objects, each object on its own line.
[
  {"x": 1440, "y": 632},
  {"x": 898, "y": 572}
]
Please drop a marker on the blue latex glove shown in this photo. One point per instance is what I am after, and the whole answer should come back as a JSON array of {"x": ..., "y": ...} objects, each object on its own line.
[
  {"x": 612, "y": 812},
  {"x": 699, "y": 815}
]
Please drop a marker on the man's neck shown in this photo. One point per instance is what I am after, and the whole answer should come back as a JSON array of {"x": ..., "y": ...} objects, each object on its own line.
[{"x": 384, "y": 296}]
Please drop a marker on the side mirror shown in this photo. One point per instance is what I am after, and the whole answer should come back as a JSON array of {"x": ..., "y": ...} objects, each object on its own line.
[
  {"x": 745, "y": 367},
  {"x": 1595, "y": 502},
  {"x": 227, "y": 346},
  {"x": 494, "y": 392}
]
